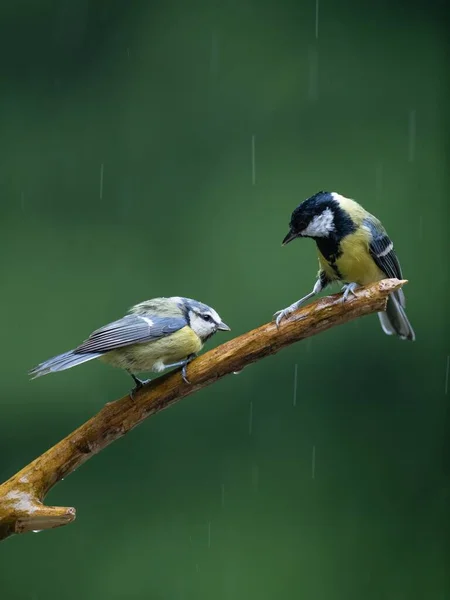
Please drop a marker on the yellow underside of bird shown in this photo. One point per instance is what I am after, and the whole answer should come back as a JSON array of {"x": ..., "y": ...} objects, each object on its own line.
[
  {"x": 154, "y": 355},
  {"x": 355, "y": 264}
]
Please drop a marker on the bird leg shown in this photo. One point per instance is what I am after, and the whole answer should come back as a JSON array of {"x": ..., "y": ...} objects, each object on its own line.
[
  {"x": 183, "y": 363},
  {"x": 348, "y": 288},
  {"x": 282, "y": 314},
  {"x": 139, "y": 383}
]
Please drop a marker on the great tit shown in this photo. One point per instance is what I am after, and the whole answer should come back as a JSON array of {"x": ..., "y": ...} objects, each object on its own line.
[
  {"x": 354, "y": 248},
  {"x": 155, "y": 335}
]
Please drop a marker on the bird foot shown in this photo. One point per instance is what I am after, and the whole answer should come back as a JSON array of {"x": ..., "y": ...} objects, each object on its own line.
[
  {"x": 184, "y": 369},
  {"x": 183, "y": 364},
  {"x": 348, "y": 289},
  {"x": 285, "y": 313},
  {"x": 184, "y": 374},
  {"x": 139, "y": 384}
]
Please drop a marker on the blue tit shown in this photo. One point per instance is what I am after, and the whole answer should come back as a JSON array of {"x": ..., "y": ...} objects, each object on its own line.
[
  {"x": 354, "y": 248},
  {"x": 155, "y": 335}
]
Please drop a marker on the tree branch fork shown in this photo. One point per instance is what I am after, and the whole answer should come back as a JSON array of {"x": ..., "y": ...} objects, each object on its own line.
[{"x": 21, "y": 497}]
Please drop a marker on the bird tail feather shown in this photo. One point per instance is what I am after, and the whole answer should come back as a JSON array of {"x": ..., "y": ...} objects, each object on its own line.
[
  {"x": 394, "y": 321},
  {"x": 61, "y": 363}
]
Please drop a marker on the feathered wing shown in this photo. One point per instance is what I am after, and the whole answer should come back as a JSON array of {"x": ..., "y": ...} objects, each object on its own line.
[
  {"x": 394, "y": 320},
  {"x": 61, "y": 363},
  {"x": 131, "y": 329}
]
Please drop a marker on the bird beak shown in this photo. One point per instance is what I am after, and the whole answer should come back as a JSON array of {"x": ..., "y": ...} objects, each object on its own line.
[
  {"x": 223, "y": 326},
  {"x": 290, "y": 236}
]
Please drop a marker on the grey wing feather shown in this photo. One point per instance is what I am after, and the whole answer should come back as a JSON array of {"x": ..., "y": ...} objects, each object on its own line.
[
  {"x": 395, "y": 321},
  {"x": 132, "y": 329},
  {"x": 61, "y": 363},
  {"x": 382, "y": 250}
]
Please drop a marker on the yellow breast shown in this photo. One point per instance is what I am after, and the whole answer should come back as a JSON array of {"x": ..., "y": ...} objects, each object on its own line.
[
  {"x": 355, "y": 264},
  {"x": 152, "y": 355}
]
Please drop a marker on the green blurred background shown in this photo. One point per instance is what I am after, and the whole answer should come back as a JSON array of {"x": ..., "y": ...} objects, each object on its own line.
[{"x": 126, "y": 172}]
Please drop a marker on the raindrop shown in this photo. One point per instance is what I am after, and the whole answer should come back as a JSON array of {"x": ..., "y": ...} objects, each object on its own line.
[
  {"x": 313, "y": 463},
  {"x": 128, "y": 52},
  {"x": 101, "y": 180},
  {"x": 446, "y": 375},
  {"x": 317, "y": 19},
  {"x": 250, "y": 419},
  {"x": 412, "y": 136},
  {"x": 253, "y": 161},
  {"x": 295, "y": 385}
]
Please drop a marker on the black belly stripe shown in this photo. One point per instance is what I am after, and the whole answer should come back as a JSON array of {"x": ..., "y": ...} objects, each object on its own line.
[
  {"x": 334, "y": 266},
  {"x": 331, "y": 251}
]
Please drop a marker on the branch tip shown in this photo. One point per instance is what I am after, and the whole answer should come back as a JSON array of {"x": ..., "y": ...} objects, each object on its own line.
[{"x": 45, "y": 517}]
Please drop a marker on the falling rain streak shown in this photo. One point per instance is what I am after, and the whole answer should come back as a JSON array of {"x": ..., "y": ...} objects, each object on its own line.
[
  {"x": 250, "y": 419},
  {"x": 313, "y": 463},
  {"x": 253, "y": 161},
  {"x": 446, "y": 375},
  {"x": 412, "y": 136},
  {"x": 101, "y": 180},
  {"x": 317, "y": 19},
  {"x": 294, "y": 402}
]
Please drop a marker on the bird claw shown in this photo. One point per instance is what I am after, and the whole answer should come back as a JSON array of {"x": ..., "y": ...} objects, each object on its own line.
[
  {"x": 348, "y": 289},
  {"x": 283, "y": 314},
  {"x": 184, "y": 369},
  {"x": 139, "y": 384},
  {"x": 184, "y": 374}
]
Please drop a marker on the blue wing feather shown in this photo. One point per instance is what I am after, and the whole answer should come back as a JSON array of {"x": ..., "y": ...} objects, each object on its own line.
[{"x": 131, "y": 329}]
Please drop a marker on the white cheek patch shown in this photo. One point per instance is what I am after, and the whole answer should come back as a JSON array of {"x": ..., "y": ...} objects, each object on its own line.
[
  {"x": 201, "y": 327},
  {"x": 321, "y": 225}
]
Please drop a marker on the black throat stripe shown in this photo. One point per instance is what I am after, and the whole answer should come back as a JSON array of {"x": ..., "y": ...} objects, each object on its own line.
[
  {"x": 331, "y": 251},
  {"x": 330, "y": 247}
]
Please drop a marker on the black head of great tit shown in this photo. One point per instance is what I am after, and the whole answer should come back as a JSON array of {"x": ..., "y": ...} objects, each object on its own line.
[
  {"x": 354, "y": 248},
  {"x": 155, "y": 335}
]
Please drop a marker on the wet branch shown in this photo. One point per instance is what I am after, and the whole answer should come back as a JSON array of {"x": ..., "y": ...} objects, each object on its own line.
[{"x": 21, "y": 497}]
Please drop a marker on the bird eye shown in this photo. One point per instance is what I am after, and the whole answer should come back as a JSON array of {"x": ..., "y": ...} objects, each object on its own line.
[{"x": 207, "y": 318}]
